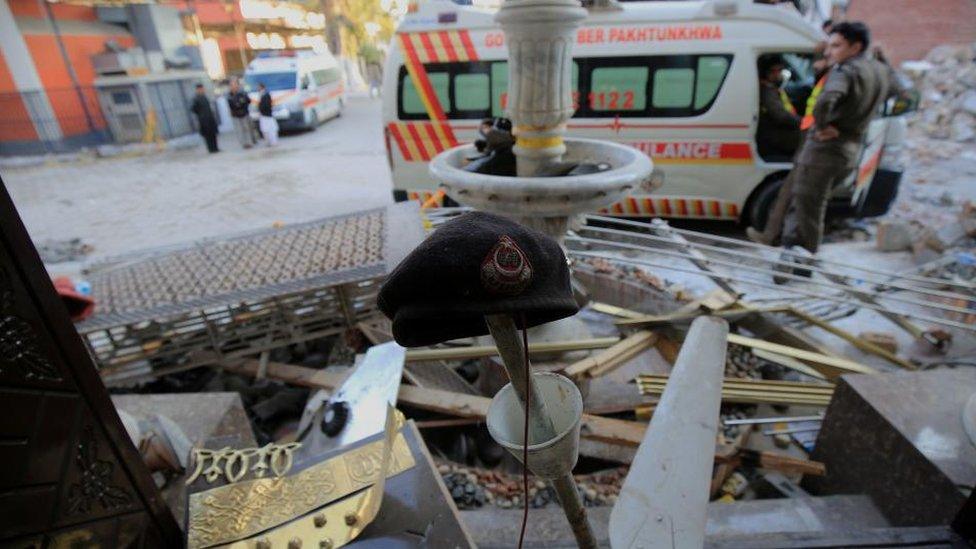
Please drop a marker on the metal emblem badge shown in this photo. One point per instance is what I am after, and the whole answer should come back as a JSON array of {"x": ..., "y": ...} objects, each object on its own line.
[{"x": 506, "y": 270}]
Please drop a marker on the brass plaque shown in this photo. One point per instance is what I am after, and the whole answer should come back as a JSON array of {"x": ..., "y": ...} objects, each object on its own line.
[{"x": 236, "y": 511}]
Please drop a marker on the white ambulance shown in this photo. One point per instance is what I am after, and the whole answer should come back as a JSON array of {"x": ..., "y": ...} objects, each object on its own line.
[
  {"x": 306, "y": 86},
  {"x": 677, "y": 80}
]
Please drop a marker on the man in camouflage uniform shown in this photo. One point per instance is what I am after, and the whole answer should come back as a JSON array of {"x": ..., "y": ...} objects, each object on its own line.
[{"x": 854, "y": 90}]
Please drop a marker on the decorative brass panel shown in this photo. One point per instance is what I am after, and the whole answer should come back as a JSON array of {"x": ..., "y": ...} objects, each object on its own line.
[{"x": 235, "y": 511}]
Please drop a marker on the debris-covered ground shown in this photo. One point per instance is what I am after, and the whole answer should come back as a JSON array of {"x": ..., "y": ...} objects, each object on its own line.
[{"x": 789, "y": 345}]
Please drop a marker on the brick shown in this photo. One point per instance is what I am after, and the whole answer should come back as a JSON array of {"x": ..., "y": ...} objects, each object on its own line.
[
  {"x": 909, "y": 29},
  {"x": 881, "y": 339}
]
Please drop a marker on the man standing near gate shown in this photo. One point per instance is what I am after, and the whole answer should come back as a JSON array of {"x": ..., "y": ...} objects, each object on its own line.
[
  {"x": 852, "y": 94},
  {"x": 205, "y": 118},
  {"x": 239, "y": 104}
]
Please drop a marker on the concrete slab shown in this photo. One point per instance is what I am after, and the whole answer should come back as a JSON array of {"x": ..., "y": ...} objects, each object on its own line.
[
  {"x": 900, "y": 439},
  {"x": 728, "y": 524}
]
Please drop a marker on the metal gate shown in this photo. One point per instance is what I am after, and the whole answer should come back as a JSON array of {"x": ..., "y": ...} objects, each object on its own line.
[{"x": 123, "y": 112}]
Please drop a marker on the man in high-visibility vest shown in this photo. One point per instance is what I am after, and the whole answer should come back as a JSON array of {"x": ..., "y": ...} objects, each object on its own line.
[
  {"x": 778, "y": 130},
  {"x": 770, "y": 232},
  {"x": 855, "y": 87}
]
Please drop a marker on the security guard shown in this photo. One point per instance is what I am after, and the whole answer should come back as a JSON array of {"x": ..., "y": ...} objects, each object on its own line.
[{"x": 855, "y": 87}]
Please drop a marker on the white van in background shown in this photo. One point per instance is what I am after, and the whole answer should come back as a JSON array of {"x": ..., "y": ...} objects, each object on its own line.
[
  {"x": 307, "y": 88},
  {"x": 677, "y": 80}
]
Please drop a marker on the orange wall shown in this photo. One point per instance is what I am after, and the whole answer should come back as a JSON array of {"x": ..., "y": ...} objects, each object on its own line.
[
  {"x": 32, "y": 8},
  {"x": 57, "y": 82},
  {"x": 208, "y": 11},
  {"x": 15, "y": 123}
]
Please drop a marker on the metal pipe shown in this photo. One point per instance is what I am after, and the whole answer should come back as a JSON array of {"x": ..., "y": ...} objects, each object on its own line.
[
  {"x": 787, "y": 289},
  {"x": 505, "y": 333},
  {"x": 813, "y": 268},
  {"x": 857, "y": 294},
  {"x": 766, "y": 420},
  {"x": 748, "y": 244}
]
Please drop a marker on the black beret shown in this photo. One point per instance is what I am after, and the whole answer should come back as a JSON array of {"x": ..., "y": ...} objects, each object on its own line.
[{"x": 473, "y": 265}]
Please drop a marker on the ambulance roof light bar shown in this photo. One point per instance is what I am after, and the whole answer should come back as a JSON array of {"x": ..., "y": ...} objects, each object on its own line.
[{"x": 725, "y": 8}]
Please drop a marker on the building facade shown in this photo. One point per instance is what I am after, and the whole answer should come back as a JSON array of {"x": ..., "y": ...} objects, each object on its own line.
[
  {"x": 47, "y": 97},
  {"x": 908, "y": 29}
]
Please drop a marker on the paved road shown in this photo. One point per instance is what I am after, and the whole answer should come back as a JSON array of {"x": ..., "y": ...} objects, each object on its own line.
[{"x": 120, "y": 205}]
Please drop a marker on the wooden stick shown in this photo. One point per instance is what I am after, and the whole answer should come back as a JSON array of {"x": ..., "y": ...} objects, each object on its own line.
[
  {"x": 832, "y": 367},
  {"x": 453, "y": 422},
  {"x": 613, "y": 357},
  {"x": 861, "y": 344},
  {"x": 481, "y": 351},
  {"x": 602, "y": 429}
]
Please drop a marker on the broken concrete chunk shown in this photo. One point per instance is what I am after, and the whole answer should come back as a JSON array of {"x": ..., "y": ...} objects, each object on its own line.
[
  {"x": 893, "y": 236},
  {"x": 923, "y": 253},
  {"x": 962, "y": 128},
  {"x": 880, "y": 339}
]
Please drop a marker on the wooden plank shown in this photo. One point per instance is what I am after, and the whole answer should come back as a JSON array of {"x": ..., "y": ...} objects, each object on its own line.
[
  {"x": 683, "y": 318},
  {"x": 616, "y": 431},
  {"x": 607, "y": 360},
  {"x": 777, "y": 462},
  {"x": 453, "y": 422},
  {"x": 482, "y": 351},
  {"x": 789, "y": 362},
  {"x": 437, "y": 375},
  {"x": 830, "y": 366},
  {"x": 613, "y": 310},
  {"x": 861, "y": 344},
  {"x": 593, "y": 428}
]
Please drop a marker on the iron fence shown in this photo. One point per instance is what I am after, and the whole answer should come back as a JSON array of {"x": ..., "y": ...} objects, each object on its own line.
[{"x": 56, "y": 120}]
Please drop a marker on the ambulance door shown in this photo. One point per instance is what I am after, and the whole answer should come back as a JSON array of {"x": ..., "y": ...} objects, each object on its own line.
[
  {"x": 867, "y": 166},
  {"x": 666, "y": 106}
]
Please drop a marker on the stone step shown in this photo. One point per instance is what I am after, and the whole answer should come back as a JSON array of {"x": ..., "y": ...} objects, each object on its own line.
[{"x": 729, "y": 524}]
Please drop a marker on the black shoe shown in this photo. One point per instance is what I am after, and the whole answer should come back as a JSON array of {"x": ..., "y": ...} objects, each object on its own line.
[{"x": 793, "y": 261}]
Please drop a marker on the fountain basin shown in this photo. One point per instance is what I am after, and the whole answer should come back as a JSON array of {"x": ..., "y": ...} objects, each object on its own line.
[{"x": 545, "y": 196}]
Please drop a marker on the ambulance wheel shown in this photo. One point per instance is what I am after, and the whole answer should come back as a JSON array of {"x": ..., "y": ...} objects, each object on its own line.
[
  {"x": 313, "y": 123},
  {"x": 762, "y": 202}
]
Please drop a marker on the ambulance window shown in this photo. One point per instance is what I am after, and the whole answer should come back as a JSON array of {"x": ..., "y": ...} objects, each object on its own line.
[
  {"x": 711, "y": 73},
  {"x": 618, "y": 89},
  {"x": 673, "y": 88},
  {"x": 411, "y": 99},
  {"x": 499, "y": 87},
  {"x": 471, "y": 92},
  {"x": 326, "y": 76}
]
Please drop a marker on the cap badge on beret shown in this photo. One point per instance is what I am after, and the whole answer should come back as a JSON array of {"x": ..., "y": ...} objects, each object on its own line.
[{"x": 506, "y": 270}]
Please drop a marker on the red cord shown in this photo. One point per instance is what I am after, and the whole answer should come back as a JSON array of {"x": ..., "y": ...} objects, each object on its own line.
[{"x": 525, "y": 438}]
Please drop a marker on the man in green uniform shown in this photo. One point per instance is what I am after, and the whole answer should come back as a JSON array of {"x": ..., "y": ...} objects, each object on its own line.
[
  {"x": 855, "y": 88},
  {"x": 778, "y": 131}
]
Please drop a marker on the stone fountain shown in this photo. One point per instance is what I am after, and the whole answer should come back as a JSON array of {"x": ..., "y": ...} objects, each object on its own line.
[{"x": 540, "y": 36}]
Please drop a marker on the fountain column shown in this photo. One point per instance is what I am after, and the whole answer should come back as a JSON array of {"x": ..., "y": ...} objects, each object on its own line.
[{"x": 540, "y": 35}]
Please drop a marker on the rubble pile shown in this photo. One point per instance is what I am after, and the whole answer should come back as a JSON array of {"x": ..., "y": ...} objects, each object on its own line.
[
  {"x": 929, "y": 242},
  {"x": 473, "y": 487},
  {"x": 947, "y": 82}
]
